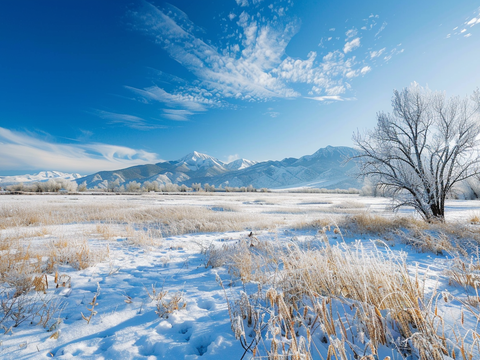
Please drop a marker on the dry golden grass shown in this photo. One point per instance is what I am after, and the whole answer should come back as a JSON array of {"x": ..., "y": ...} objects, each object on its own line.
[
  {"x": 166, "y": 304},
  {"x": 474, "y": 219},
  {"x": 455, "y": 238},
  {"x": 465, "y": 273},
  {"x": 318, "y": 224},
  {"x": 141, "y": 225},
  {"x": 301, "y": 288},
  {"x": 173, "y": 220},
  {"x": 32, "y": 246},
  {"x": 26, "y": 260},
  {"x": 22, "y": 262},
  {"x": 365, "y": 223}
]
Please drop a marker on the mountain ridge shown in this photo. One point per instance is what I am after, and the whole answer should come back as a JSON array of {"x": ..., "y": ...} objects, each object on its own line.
[{"x": 325, "y": 168}]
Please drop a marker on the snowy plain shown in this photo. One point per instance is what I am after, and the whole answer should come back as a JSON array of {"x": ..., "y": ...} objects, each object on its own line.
[{"x": 123, "y": 283}]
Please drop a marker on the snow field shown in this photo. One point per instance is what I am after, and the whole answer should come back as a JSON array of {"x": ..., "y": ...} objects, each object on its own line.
[{"x": 306, "y": 287}]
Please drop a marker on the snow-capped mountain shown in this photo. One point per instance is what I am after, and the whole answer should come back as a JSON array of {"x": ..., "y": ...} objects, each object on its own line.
[
  {"x": 240, "y": 164},
  {"x": 201, "y": 164},
  {"x": 326, "y": 168},
  {"x": 39, "y": 177},
  {"x": 196, "y": 161}
]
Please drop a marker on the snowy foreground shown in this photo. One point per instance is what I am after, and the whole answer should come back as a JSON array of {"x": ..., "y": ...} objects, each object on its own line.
[{"x": 155, "y": 294}]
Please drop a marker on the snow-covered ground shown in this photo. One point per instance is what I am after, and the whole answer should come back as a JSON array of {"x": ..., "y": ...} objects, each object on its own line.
[{"x": 133, "y": 321}]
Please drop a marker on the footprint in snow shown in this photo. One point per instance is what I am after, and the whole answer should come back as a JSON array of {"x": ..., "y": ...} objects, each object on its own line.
[
  {"x": 206, "y": 304},
  {"x": 200, "y": 344}
]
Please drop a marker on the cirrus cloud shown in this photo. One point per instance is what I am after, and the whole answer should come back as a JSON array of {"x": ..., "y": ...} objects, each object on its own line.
[{"x": 252, "y": 65}]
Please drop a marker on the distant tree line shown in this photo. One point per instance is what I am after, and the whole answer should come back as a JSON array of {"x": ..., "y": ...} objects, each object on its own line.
[
  {"x": 58, "y": 185},
  {"x": 155, "y": 186},
  {"x": 52, "y": 185}
]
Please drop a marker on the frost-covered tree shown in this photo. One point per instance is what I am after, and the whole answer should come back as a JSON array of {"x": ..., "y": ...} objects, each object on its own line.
[
  {"x": 170, "y": 188},
  {"x": 114, "y": 185},
  {"x": 133, "y": 186},
  {"x": 82, "y": 187},
  {"x": 197, "y": 187},
  {"x": 148, "y": 186},
  {"x": 423, "y": 148},
  {"x": 209, "y": 188}
]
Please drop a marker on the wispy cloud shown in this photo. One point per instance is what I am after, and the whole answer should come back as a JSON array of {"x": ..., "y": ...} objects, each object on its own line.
[
  {"x": 365, "y": 70},
  {"x": 193, "y": 98},
  {"x": 351, "y": 45},
  {"x": 177, "y": 115},
  {"x": 384, "y": 25},
  {"x": 376, "y": 53},
  {"x": 465, "y": 28},
  {"x": 24, "y": 151},
  {"x": 231, "y": 158},
  {"x": 326, "y": 98},
  {"x": 242, "y": 2},
  {"x": 272, "y": 114},
  {"x": 395, "y": 51},
  {"x": 351, "y": 33},
  {"x": 251, "y": 66},
  {"x": 131, "y": 121}
]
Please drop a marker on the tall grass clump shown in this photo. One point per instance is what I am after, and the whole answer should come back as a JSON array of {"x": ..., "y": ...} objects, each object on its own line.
[
  {"x": 454, "y": 238},
  {"x": 318, "y": 301},
  {"x": 28, "y": 269}
]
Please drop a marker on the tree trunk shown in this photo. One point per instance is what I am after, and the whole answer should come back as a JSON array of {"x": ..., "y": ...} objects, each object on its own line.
[{"x": 438, "y": 213}]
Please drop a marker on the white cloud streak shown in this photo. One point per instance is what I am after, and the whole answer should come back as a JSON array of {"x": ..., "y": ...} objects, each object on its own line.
[
  {"x": 128, "y": 120},
  {"x": 22, "y": 151},
  {"x": 195, "y": 99},
  {"x": 393, "y": 52},
  {"x": 376, "y": 53},
  {"x": 469, "y": 23},
  {"x": 384, "y": 25},
  {"x": 326, "y": 98},
  {"x": 177, "y": 115}
]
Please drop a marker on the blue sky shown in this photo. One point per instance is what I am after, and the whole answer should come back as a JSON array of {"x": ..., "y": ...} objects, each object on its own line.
[{"x": 96, "y": 85}]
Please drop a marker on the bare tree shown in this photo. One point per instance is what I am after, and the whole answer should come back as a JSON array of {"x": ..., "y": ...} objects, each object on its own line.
[{"x": 423, "y": 148}]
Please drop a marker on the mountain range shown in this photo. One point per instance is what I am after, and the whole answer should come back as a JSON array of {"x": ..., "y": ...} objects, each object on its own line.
[
  {"x": 42, "y": 176},
  {"x": 326, "y": 168}
]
